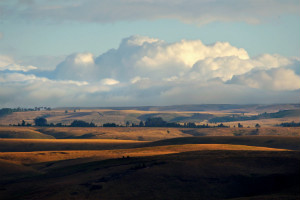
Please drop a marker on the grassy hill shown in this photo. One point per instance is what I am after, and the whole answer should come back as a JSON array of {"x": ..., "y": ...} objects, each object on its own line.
[
  {"x": 217, "y": 167},
  {"x": 281, "y": 142},
  {"x": 138, "y": 133},
  {"x": 178, "y": 113},
  {"x": 22, "y": 132},
  {"x": 189, "y": 175}
]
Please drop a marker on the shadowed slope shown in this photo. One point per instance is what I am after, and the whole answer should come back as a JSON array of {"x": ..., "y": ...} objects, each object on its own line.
[
  {"x": 284, "y": 142},
  {"x": 46, "y": 156},
  {"x": 189, "y": 175}
]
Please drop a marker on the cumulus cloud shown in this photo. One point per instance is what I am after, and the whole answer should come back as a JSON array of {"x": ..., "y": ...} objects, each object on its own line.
[
  {"x": 8, "y": 63},
  {"x": 78, "y": 66},
  {"x": 149, "y": 71},
  {"x": 273, "y": 79},
  {"x": 28, "y": 90},
  {"x": 228, "y": 66},
  {"x": 192, "y": 11},
  {"x": 140, "y": 56}
]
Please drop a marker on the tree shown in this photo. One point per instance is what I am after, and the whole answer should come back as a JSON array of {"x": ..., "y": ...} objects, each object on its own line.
[
  {"x": 92, "y": 124},
  {"x": 40, "y": 121},
  {"x": 109, "y": 125},
  {"x": 257, "y": 126},
  {"x": 80, "y": 123},
  {"x": 5, "y": 111},
  {"x": 155, "y": 122},
  {"x": 240, "y": 125},
  {"x": 141, "y": 124},
  {"x": 23, "y": 123},
  {"x": 59, "y": 124}
]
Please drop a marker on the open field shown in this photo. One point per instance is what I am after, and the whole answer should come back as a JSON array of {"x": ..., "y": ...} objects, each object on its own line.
[
  {"x": 179, "y": 168},
  {"x": 200, "y": 114},
  {"x": 137, "y": 133},
  {"x": 46, "y": 156},
  {"x": 150, "y": 163}
]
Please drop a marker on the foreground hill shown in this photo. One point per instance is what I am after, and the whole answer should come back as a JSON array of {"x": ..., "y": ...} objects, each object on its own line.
[
  {"x": 195, "y": 167},
  {"x": 28, "y": 145},
  {"x": 218, "y": 174}
]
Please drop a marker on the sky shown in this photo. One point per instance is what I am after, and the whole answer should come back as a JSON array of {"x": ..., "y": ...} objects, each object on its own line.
[{"x": 148, "y": 52}]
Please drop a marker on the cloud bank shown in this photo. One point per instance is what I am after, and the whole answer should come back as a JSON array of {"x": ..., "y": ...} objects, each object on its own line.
[
  {"x": 149, "y": 71},
  {"x": 192, "y": 11}
]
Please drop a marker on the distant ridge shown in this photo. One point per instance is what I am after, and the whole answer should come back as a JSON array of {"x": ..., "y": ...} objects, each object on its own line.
[{"x": 202, "y": 107}]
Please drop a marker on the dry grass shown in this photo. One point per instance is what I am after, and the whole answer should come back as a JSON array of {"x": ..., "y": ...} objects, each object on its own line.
[
  {"x": 137, "y": 133},
  {"x": 264, "y": 131},
  {"x": 264, "y": 122},
  {"x": 123, "y": 133},
  {"x": 66, "y": 141},
  {"x": 24, "y": 145},
  {"x": 22, "y": 132},
  {"x": 46, "y": 156},
  {"x": 101, "y": 116},
  {"x": 181, "y": 168}
]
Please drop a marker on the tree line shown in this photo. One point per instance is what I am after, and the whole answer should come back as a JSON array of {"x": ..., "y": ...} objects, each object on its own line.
[
  {"x": 290, "y": 124},
  {"x": 7, "y": 111},
  {"x": 265, "y": 115},
  {"x": 150, "y": 122}
]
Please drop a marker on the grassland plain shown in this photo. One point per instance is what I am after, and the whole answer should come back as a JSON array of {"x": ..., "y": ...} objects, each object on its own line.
[
  {"x": 150, "y": 163},
  {"x": 201, "y": 114},
  {"x": 137, "y": 133},
  {"x": 203, "y": 167}
]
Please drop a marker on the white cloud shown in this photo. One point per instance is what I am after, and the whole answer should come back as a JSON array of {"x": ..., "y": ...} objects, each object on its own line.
[
  {"x": 220, "y": 67},
  {"x": 268, "y": 61},
  {"x": 149, "y": 71},
  {"x": 139, "y": 40},
  {"x": 226, "y": 67},
  {"x": 192, "y": 11},
  {"x": 157, "y": 59},
  {"x": 141, "y": 56},
  {"x": 78, "y": 66},
  {"x": 187, "y": 53},
  {"x": 15, "y": 77},
  {"x": 8, "y": 63},
  {"x": 109, "y": 81},
  {"x": 273, "y": 79},
  {"x": 16, "y": 67},
  {"x": 83, "y": 59}
]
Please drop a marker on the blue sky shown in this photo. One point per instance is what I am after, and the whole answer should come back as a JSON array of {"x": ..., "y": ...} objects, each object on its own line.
[
  {"x": 45, "y": 35},
  {"x": 25, "y": 38},
  {"x": 34, "y": 36}
]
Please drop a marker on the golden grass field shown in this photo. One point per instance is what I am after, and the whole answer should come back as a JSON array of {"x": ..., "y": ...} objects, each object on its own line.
[
  {"x": 132, "y": 169},
  {"x": 215, "y": 167},
  {"x": 147, "y": 163},
  {"x": 101, "y": 116},
  {"x": 137, "y": 133},
  {"x": 46, "y": 156}
]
